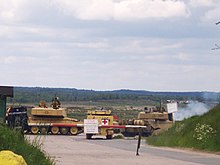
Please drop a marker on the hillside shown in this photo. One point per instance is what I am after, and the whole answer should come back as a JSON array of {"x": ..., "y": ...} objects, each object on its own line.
[
  {"x": 199, "y": 132},
  {"x": 35, "y": 94}
]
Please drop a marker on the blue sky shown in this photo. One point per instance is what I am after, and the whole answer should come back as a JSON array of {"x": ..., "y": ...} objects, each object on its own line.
[{"x": 156, "y": 45}]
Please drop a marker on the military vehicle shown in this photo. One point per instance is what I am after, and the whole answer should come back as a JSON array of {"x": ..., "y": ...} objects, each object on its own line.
[
  {"x": 16, "y": 116},
  {"x": 43, "y": 120},
  {"x": 105, "y": 123},
  {"x": 155, "y": 120},
  {"x": 52, "y": 121}
]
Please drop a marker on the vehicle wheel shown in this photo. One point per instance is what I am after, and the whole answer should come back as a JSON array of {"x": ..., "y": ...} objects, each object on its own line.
[
  {"x": 109, "y": 137},
  {"x": 88, "y": 136},
  {"x": 44, "y": 130},
  {"x": 54, "y": 130},
  {"x": 73, "y": 130},
  {"x": 34, "y": 129},
  {"x": 63, "y": 130}
]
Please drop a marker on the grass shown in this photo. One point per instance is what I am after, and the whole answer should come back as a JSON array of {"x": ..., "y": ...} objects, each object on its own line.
[
  {"x": 198, "y": 132},
  {"x": 14, "y": 141}
]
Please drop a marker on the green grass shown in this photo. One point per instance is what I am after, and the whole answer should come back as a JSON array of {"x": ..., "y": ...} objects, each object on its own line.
[
  {"x": 198, "y": 132},
  {"x": 14, "y": 141}
]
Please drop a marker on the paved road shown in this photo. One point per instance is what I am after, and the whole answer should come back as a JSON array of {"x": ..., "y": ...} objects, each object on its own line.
[{"x": 68, "y": 150}]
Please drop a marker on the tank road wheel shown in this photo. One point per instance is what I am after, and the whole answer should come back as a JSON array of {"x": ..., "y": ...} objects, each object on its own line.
[
  {"x": 63, "y": 130},
  {"x": 54, "y": 130},
  {"x": 34, "y": 129},
  {"x": 73, "y": 130},
  {"x": 44, "y": 130}
]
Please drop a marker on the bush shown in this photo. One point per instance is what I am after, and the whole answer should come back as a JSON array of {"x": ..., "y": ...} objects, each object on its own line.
[{"x": 13, "y": 140}]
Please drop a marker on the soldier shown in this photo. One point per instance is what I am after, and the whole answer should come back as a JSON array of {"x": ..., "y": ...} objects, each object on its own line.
[
  {"x": 42, "y": 104},
  {"x": 56, "y": 103}
]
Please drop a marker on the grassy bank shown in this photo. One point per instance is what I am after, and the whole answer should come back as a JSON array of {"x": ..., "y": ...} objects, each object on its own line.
[
  {"x": 13, "y": 140},
  {"x": 199, "y": 132}
]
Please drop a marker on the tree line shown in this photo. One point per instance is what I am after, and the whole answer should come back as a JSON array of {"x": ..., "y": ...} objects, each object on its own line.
[{"x": 36, "y": 94}]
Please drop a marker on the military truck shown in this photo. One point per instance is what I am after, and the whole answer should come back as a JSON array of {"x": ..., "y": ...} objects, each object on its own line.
[{"x": 16, "y": 116}]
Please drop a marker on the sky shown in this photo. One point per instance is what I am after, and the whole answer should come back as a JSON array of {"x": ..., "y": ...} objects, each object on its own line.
[{"x": 154, "y": 45}]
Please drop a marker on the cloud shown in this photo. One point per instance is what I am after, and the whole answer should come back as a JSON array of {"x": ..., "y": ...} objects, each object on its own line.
[
  {"x": 122, "y": 10},
  {"x": 207, "y": 10},
  {"x": 213, "y": 14},
  {"x": 8, "y": 60},
  {"x": 16, "y": 12},
  {"x": 91, "y": 45},
  {"x": 142, "y": 9},
  {"x": 203, "y": 3},
  {"x": 7, "y": 10},
  {"x": 110, "y": 44}
]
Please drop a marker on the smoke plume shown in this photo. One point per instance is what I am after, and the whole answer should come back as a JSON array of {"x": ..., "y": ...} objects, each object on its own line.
[{"x": 194, "y": 108}]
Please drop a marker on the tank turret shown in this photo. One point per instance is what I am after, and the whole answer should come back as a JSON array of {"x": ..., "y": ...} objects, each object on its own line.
[
  {"x": 99, "y": 112},
  {"x": 153, "y": 115},
  {"x": 48, "y": 112}
]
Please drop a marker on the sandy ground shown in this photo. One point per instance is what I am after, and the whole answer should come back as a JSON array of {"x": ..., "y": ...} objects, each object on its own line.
[{"x": 69, "y": 150}]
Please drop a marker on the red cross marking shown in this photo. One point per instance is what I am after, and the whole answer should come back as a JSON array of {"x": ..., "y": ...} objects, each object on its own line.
[{"x": 104, "y": 121}]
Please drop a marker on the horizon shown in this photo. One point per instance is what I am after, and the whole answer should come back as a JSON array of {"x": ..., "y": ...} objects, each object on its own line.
[{"x": 116, "y": 89}]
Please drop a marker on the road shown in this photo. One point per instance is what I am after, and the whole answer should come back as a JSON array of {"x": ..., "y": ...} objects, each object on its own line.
[{"x": 69, "y": 150}]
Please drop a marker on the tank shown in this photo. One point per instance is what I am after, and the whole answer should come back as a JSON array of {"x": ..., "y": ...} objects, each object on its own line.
[
  {"x": 156, "y": 120},
  {"x": 105, "y": 122},
  {"x": 52, "y": 120}
]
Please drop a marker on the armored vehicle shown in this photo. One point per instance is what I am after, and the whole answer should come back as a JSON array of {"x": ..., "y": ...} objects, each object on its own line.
[
  {"x": 105, "y": 123},
  {"x": 52, "y": 120},
  {"x": 155, "y": 119}
]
